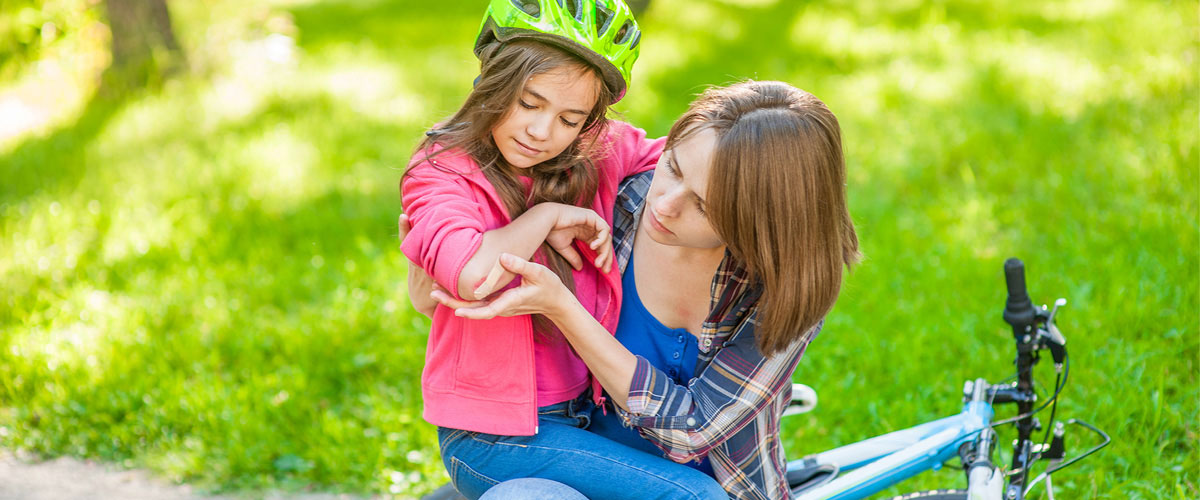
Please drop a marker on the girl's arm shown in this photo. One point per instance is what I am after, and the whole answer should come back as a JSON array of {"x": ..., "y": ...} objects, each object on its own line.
[
  {"x": 419, "y": 282},
  {"x": 541, "y": 292},
  {"x": 684, "y": 421},
  {"x": 562, "y": 224},
  {"x": 451, "y": 241}
]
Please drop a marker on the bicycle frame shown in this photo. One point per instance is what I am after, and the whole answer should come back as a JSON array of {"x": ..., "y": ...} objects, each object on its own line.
[{"x": 870, "y": 466}]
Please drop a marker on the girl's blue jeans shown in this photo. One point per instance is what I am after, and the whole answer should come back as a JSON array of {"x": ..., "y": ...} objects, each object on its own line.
[
  {"x": 532, "y": 488},
  {"x": 564, "y": 450}
]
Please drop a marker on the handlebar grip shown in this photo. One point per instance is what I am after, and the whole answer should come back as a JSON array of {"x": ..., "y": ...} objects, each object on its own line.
[
  {"x": 1018, "y": 310},
  {"x": 1014, "y": 278}
]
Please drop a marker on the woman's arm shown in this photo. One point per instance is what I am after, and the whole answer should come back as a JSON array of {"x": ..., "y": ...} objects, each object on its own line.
[
  {"x": 521, "y": 237},
  {"x": 684, "y": 421},
  {"x": 541, "y": 292},
  {"x": 554, "y": 222},
  {"x": 735, "y": 389},
  {"x": 452, "y": 242},
  {"x": 609, "y": 361}
]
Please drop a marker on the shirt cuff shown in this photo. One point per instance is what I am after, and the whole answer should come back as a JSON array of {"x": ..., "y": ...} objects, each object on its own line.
[
  {"x": 642, "y": 401},
  {"x": 655, "y": 402}
]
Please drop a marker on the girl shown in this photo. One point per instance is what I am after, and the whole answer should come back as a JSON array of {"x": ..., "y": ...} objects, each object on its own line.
[
  {"x": 525, "y": 167},
  {"x": 748, "y": 201}
]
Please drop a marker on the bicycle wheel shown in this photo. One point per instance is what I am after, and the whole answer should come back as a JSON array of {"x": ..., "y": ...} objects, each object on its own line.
[{"x": 934, "y": 495}]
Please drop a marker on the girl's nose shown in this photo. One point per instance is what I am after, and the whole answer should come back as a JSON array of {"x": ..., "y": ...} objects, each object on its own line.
[{"x": 539, "y": 128}]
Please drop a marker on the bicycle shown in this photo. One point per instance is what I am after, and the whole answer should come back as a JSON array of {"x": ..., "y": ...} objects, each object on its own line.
[
  {"x": 867, "y": 467},
  {"x": 861, "y": 469}
]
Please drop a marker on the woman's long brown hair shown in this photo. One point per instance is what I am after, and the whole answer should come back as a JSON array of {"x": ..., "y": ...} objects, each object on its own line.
[
  {"x": 777, "y": 197},
  {"x": 569, "y": 178}
]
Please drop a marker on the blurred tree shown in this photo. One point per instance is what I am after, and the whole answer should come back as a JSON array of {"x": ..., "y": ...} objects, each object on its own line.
[
  {"x": 31, "y": 28},
  {"x": 144, "y": 48},
  {"x": 638, "y": 6}
]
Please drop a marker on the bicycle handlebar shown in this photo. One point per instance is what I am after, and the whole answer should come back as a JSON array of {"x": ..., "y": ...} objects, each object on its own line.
[{"x": 1018, "y": 310}]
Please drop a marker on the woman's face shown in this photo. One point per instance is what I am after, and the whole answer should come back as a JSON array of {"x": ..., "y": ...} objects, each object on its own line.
[
  {"x": 675, "y": 211},
  {"x": 547, "y": 116}
]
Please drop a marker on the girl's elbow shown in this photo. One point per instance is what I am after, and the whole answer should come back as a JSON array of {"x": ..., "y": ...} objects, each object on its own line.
[
  {"x": 466, "y": 289},
  {"x": 470, "y": 278}
]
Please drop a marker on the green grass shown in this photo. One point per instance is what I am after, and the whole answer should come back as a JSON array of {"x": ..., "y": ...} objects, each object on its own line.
[{"x": 203, "y": 279}]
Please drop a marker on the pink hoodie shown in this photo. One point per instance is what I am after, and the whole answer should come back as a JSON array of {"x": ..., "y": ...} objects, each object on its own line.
[{"x": 482, "y": 376}]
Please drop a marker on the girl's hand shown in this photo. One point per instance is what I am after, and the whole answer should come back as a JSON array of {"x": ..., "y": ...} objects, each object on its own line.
[
  {"x": 540, "y": 292},
  {"x": 419, "y": 283},
  {"x": 577, "y": 223}
]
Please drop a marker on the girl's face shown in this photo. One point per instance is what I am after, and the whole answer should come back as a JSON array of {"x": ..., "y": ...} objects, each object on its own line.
[
  {"x": 547, "y": 116},
  {"x": 675, "y": 211}
]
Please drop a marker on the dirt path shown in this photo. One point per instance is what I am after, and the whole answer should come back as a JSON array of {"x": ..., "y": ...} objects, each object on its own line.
[{"x": 72, "y": 479}]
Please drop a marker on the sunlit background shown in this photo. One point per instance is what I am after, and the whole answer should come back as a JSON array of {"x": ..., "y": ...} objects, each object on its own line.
[{"x": 199, "y": 273}]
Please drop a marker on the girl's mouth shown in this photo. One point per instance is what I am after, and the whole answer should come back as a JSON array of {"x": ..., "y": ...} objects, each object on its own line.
[{"x": 526, "y": 149}]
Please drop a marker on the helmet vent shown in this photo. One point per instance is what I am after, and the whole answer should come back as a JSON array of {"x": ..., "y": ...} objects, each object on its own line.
[
  {"x": 531, "y": 7},
  {"x": 624, "y": 33},
  {"x": 604, "y": 18},
  {"x": 575, "y": 8},
  {"x": 636, "y": 39}
]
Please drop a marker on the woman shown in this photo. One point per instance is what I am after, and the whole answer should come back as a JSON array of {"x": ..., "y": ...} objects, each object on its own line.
[{"x": 736, "y": 249}]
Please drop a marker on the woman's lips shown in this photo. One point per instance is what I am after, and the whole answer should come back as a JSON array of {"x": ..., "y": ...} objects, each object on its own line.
[{"x": 654, "y": 222}]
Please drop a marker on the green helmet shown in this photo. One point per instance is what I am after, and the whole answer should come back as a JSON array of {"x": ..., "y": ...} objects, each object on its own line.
[{"x": 603, "y": 32}]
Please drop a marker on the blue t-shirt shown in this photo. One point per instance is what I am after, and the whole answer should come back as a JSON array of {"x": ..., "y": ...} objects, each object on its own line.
[{"x": 672, "y": 350}]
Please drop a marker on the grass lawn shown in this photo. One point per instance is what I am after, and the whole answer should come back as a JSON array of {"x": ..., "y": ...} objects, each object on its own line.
[{"x": 203, "y": 279}]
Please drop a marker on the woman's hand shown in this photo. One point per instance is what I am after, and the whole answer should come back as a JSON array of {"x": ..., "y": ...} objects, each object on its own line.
[
  {"x": 540, "y": 292},
  {"x": 577, "y": 223},
  {"x": 419, "y": 283}
]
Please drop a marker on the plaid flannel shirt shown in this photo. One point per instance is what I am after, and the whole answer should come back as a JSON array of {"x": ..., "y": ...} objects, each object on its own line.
[{"x": 731, "y": 410}]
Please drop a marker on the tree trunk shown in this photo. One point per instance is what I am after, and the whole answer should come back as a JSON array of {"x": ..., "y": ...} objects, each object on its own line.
[{"x": 144, "y": 48}]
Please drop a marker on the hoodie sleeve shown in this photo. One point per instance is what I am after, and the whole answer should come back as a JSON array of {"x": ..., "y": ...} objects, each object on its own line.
[
  {"x": 632, "y": 151},
  {"x": 447, "y": 222}
]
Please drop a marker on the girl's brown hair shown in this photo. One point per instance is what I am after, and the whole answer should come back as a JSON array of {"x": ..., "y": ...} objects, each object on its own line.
[
  {"x": 776, "y": 196},
  {"x": 569, "y": 178}
]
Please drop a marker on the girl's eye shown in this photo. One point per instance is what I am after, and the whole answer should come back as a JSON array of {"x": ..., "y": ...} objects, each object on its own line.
[
  {"x": 525, "y": 104},
  {"x": 570, "y": 123},
  {"x": 700, "y": 207}
]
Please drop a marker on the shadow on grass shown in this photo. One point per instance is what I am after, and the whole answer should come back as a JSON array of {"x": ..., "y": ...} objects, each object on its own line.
[
  {"x": 272, "y": 300},
  {"x": 55, "y": 162}
]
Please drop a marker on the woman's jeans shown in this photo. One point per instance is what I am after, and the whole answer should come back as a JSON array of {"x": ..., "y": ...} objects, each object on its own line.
[{"x": 564, "y": 451}]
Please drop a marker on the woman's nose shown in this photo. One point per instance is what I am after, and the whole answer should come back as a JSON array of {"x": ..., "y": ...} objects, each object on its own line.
[{"x": 668, "y": 204}]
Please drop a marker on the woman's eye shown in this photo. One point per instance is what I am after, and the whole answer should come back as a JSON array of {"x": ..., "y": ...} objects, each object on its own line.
[
  {"x": 525, "y": 104},
  {"x": 700, "y": 207},
  {"x": 570, "y": 123}
]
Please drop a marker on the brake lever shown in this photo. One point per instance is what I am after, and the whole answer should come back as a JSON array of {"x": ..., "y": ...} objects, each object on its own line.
[
  {"x": 1057, "y": 343},
  {"x": 1057, "y": 304}
]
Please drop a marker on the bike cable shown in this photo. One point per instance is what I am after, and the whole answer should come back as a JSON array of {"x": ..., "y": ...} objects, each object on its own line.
[
  {"x": 1074, "y": 421},
  {"x": 1060, "y": 381},
  {"x": 1057, "y": 390},
  {"x": 1053, "y": 410}
]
